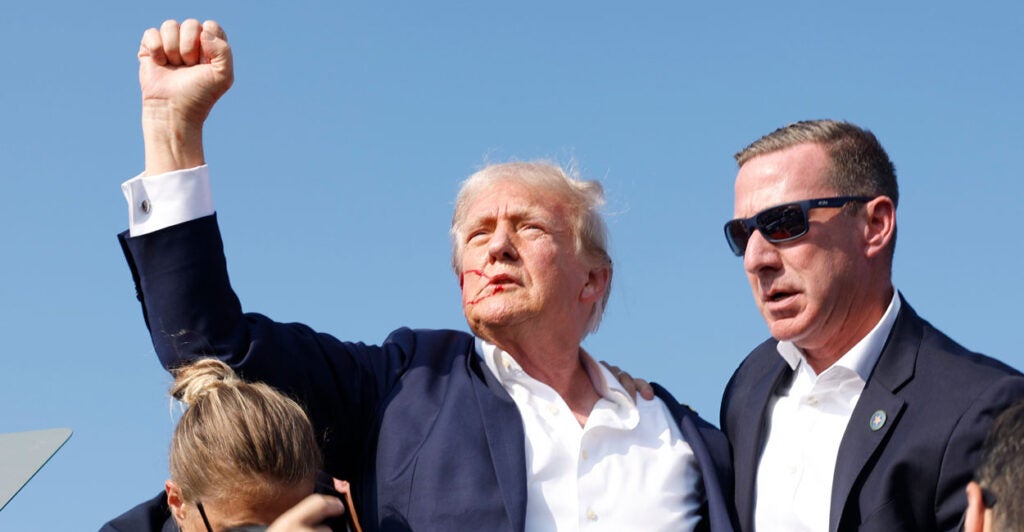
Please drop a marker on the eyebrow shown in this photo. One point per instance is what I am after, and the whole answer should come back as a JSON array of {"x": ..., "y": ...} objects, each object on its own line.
[{"x": 517, "y": 214}]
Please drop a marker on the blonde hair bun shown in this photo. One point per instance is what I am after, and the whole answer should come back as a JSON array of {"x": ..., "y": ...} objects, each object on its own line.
[{"x": 193, "y": 382}]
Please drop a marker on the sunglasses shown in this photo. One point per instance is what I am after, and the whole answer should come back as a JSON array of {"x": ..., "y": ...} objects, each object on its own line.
[
  {"x": 240, "y": 528},
  {"x": 781, "y": 223}
]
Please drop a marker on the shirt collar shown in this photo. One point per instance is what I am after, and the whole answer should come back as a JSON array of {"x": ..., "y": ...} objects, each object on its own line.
[
  {"x": 506, "y": 369},
  {"x": 864, "y": 355}
]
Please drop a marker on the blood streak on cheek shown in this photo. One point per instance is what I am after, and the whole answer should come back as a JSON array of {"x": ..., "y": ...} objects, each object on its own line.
[
  {"x": 497, "y": 290},
  {"x": 480, "y": 273}
]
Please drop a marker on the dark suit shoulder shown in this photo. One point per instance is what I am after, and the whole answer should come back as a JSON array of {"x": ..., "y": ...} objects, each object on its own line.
[
  {"x": 762, "y": 362},
  {"x": 436, "y": 349},
  {"x": 760, "y": 359},
  {"x": 944, "y": 371},
  {"x": 957, "y": 359},
  {"x": 152, "y": 515},
  {"x": 680, "y": 410}
]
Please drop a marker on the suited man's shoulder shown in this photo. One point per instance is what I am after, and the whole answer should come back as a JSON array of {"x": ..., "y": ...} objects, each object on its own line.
[
  {"x": 763, "y": 358},
  {"x": 681, "y": 410},
  {"x": 956, "y": 375},
  {"x": 152, "y": 515},
  {"x": 940, "y": 351},
  {"x": 430, "y": 338}
]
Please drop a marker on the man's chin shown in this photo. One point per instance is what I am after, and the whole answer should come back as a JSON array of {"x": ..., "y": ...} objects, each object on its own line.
[
  {"x": 786, "y": 329},
  {"x": 490, "y": 317}
]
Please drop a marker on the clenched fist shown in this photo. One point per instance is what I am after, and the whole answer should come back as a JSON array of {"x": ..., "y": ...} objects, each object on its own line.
[{"x": 183, "y": 70}]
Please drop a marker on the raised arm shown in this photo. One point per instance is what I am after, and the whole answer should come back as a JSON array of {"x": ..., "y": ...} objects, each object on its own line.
[
  {"x": 183, "y": 70},
  {"x": 180, "y": 270}
]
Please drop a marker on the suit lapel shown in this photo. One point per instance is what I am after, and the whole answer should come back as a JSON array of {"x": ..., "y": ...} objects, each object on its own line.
[
  {"x": 860, "y": 441},
  {"x": 750, "y": 435},
  {"x": 503, "y": 428},
  {"x": 867, "y": 431}
]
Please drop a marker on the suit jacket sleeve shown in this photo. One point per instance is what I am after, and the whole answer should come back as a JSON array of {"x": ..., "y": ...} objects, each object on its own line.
[{"x": 191, "y": 311}]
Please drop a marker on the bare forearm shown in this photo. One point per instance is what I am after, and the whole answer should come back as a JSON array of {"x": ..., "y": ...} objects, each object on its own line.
[{"x": 170, "y": 142}]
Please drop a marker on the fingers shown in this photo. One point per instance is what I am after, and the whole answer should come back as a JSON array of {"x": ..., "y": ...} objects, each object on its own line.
[
  {"x": 308, "y": 514},
  {"x": 341, "y": 486},
  {"x": 187, "y": 44},
  {"x": 169, "y": 35},
  {"x": 631, "y": 385},
  {"x": 152, "y": 46},
  {"x": 188, "y": 41},
  {"x": 645, "y": 389}
]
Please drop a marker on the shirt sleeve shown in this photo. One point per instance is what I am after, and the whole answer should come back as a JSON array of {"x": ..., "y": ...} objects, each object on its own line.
[{"x": 160, "y": 201}]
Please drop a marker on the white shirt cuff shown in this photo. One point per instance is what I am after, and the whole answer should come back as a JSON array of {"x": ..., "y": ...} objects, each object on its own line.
[{"x": 160, "y": 201}]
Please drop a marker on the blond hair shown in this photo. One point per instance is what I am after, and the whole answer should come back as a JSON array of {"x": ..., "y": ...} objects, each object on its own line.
[{"x": 237, "y": 438}]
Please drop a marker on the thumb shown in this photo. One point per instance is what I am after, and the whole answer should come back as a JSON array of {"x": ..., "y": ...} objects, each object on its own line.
[{"x": 216, "y": 50}]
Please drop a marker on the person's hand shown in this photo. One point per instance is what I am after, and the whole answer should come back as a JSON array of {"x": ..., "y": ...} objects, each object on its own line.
[
  {"x": 308, "y": 514},
  {"x": 632, "y": 386},
  {"x": 183, "y": 70}
]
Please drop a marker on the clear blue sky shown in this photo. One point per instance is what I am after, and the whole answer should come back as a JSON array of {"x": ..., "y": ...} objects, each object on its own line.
[{"x": 338, "y": 152}]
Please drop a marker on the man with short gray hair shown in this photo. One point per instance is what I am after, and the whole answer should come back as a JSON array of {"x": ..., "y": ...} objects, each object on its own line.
[{"x": 857, "y": 414}]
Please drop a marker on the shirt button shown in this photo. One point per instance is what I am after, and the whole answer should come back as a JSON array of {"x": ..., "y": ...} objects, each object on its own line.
[
  {"x": 812, "y": 400},
  {"x": 553, "y": 410},
  {"x": 583, "y": 453},
  {"x": 591, "y": 514},
  {"x": 145, "y": 205}
]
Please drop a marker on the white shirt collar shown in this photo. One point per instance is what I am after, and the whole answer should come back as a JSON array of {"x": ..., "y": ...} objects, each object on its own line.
[
  {"x": 864, "y": 355},
  {"x": 506, "y": 369}
]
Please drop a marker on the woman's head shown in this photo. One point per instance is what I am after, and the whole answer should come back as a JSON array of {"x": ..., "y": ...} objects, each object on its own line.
[{"x": 242, "y": 451}]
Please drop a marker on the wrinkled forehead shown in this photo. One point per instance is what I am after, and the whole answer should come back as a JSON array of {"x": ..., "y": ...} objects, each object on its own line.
[{"x": 510, "y": 197}]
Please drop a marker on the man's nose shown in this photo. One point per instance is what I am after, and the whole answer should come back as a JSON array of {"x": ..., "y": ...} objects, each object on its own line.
[
  {"x": 760, "y": 254},
  {"x": 502, "y": 245}
]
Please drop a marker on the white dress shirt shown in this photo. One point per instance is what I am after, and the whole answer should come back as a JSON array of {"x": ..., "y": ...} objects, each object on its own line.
[
  {"x": 807, "y": 421},
  {"x": 627, "y": 469},
  {"x": 156, "y": 202}
]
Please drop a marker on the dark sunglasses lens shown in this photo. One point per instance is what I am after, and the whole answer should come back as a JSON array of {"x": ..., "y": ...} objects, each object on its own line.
[
  {"x": 737, "y": 235},
  {"x": 782, "y": 223}
]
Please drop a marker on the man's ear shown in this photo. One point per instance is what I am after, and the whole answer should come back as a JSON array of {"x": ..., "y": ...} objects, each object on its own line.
[
  {"x": 974, "y": 517},
  {"x": 175, "y": 501},
  {"x": 880, "y": 228},
  {"x": 597, "y": 284}
]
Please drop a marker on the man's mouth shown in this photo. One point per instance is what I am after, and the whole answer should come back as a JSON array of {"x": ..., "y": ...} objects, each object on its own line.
[
  {"x": 496, "y": 284},
  {"x": 776, "y": 296},
  {"x": 501, "y": 279}
]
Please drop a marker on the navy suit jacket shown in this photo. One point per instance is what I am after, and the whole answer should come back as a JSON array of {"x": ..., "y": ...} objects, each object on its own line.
[
  {"x": 425, "y": 434},
  {"x": 153, "y": 515},
  {"x": 939, "y": 400}
]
